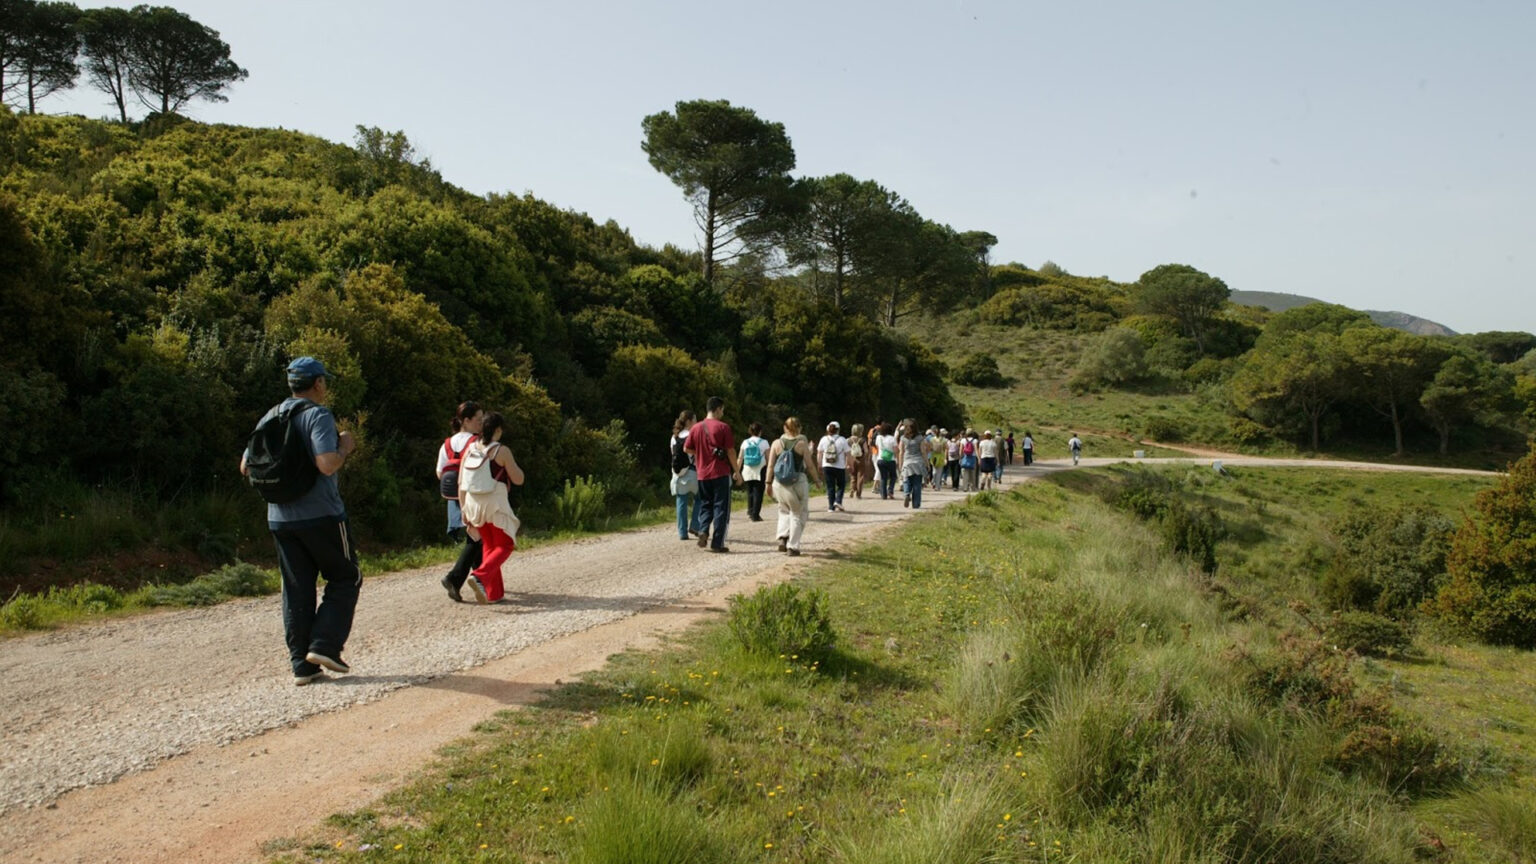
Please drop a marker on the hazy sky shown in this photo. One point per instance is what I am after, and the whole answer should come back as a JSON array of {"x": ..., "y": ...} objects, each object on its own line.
[{"x": 1375, "y": 154}]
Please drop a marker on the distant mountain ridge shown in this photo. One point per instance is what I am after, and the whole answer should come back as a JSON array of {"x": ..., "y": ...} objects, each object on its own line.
[{"x": 1279, "y": 302}]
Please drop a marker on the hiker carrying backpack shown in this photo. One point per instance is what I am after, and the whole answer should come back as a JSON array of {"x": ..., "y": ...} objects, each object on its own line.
[
  {"x": 752, "y": 453},
  {"x": 279, "y": 463},
  {"x": 448, "y": 481},
  {"x": 789, "y": 467},
  {"x": 681, "y": 461}
]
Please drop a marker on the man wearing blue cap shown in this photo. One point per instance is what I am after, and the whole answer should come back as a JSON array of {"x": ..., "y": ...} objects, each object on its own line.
[{"x": 311, "y": 532}]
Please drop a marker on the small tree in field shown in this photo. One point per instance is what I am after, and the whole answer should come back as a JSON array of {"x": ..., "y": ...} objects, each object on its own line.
[{"x": 1491, "y": 592}]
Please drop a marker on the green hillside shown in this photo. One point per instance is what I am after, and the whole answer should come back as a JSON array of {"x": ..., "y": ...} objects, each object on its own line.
[
  {"x": 159, "y": 275},
  {"x": 1053, "y": 351}
]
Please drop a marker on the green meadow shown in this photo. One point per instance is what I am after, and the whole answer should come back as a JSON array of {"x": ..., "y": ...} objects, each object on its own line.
[{"x": 1032, "y": 676}]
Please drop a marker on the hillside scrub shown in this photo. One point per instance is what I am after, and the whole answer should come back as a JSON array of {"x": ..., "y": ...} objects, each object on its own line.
[
  {"x": 1264, "y": 384},
  {"x": 1388, "y": 562},
  {"x": 159, "y": 275},
  {"x": 1023, "y": 677},
  {"x": 1491, "y": 590}
]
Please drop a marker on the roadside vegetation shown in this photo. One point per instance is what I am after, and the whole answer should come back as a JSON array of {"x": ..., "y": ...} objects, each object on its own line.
[{"x": 1058, "y": 673}]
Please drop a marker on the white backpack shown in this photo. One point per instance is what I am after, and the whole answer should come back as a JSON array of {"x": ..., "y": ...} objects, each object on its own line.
[{"x": 475, "y": 471}]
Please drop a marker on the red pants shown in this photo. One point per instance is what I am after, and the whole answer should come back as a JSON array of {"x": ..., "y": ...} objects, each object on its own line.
[{"x": 498, "y": 546}]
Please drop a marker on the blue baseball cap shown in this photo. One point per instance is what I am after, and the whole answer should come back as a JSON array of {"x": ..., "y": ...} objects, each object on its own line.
[{"x": 305, "y": 369}]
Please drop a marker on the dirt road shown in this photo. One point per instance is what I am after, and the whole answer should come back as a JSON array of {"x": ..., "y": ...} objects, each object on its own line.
[{"x": 180, "y": 736}]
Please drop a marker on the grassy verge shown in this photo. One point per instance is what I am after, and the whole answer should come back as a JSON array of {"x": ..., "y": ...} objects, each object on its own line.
[{"x": 1029, "y": 677}]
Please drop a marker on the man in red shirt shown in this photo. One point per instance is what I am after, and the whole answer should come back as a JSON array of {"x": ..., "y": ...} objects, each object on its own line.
[{"x": 714, "y": 450}]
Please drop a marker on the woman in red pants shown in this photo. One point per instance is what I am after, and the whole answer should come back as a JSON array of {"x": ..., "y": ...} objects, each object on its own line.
[{"x": 486, "y": 476}]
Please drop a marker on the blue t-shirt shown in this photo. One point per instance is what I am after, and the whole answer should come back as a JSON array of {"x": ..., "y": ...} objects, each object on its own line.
[{"x": 322, "y": 503}]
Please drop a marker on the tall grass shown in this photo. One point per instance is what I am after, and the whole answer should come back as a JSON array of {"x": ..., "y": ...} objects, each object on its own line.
[
  {"x": 1502, "y": 815},
  {"x": 634, "y": 822},
  {"x": 966, "y": 823},
  {"x": 671, "y": 754},
  {"x": 1029, "y": 677}
]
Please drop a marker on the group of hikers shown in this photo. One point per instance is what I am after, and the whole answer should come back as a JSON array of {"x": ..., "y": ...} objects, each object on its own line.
[
  {"x": 296, "y": 450},
  {"x": 706, "y": 460}
]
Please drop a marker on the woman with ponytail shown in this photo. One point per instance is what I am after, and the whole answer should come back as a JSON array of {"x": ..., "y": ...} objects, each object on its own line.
[{"x": 466, "y": 428}]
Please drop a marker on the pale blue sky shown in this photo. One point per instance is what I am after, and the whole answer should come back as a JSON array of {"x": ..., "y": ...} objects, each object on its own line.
[{"x": 1375, "y": 154}]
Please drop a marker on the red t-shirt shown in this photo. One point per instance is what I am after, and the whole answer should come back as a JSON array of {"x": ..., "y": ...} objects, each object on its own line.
[{"x": 703, "y": 439}]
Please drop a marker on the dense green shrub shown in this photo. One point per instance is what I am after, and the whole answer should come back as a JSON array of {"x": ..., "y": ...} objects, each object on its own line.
[
  {"x": 1171, "y": 354},
  {"x": 649, "y": 385},
  {"x": 234, "y": 580},
  {"x": 608, "y": 456},
  {"x": 1147, "y": 494},
  {"x": 24, "y": 612},
  {"x": 1367, "y": 633},
  {"x": 1116, "y": 356},
  {"x": 1387, "y": 561},
  {"x": 1160, "y": 427},
  {"x": 1186, "y": 527},
  {"x": 1206, "y": 370},
  {"x": 1193, "y": 531},
  {"x": 88, "y": 597},
  {"x": 1306, "y": 676},
  {"x": 783, "y": 620},
  {"x": 978, "y": 370},
  {"x": 1064, "y": 303},
  {"x": 1491, "y": 590}
]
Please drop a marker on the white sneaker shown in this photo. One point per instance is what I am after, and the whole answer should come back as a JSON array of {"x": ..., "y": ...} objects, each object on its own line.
[
  {"x": 477, "y": 588},
  {"x": 335, "y": 664}
]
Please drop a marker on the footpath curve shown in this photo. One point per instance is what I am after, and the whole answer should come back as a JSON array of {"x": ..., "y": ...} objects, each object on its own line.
[{"x": 179, "y": 735}]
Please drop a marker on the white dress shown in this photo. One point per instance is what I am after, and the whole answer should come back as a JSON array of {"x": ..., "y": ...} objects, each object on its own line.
[{"x": 493, "y": 506}]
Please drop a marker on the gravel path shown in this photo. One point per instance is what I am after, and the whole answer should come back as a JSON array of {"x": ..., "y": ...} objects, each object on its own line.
[
  {"x": 86, "y": 705},
  {"x": 91, "y": 704}
]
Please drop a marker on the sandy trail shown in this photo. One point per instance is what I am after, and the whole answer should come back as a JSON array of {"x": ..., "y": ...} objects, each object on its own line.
[{"x": 179, "y": 735}]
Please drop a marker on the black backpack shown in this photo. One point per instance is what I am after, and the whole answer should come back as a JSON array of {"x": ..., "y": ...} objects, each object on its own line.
[
  {"x": 680, "y": 460},
  {"x": 448, "y": 484},
  {"x": 279, "y": 463}
]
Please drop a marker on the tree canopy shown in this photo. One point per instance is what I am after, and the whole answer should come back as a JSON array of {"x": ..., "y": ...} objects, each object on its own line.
[
  {"x": 107, "y": 38},
  {"x": 157, "y": 54},
  {"x": 732, "y": 165},
  {"x": 1186, "y": 295},
  {"x": 173, "y": 59},
  {"x": 48, "y": 46}
]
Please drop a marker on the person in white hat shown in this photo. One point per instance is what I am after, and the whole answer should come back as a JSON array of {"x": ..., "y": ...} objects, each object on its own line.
[
  {"x": 986, "y": 451},
  {"x": 832, "y": 451}
]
